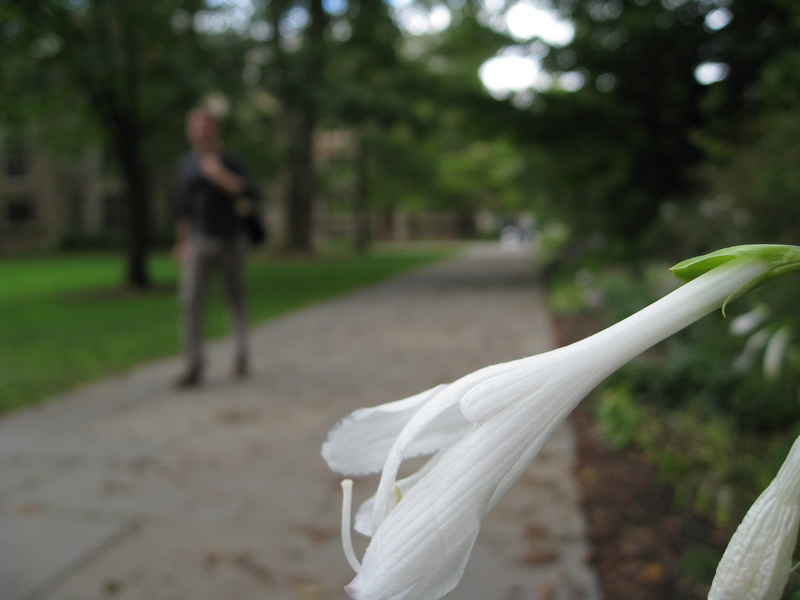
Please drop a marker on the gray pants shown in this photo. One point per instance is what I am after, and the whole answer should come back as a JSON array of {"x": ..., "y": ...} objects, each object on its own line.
[{"x": 204, "y": 257}]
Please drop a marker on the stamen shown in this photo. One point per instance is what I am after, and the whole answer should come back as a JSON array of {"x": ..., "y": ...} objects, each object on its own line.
[{"x": 347, "y": 541}]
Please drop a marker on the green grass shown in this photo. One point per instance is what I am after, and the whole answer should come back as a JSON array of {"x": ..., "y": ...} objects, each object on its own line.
[{"x": 64, "y": 320}]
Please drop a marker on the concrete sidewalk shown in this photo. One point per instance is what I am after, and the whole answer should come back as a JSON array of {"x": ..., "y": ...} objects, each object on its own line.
[{"x": 130, "y": 490}]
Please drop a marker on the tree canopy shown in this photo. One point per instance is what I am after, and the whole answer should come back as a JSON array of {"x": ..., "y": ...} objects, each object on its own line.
[
  {"x": 126, "y": 71},
  {"x": 646, "y": 104}
]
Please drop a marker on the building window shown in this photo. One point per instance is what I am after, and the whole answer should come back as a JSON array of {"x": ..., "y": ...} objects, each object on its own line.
[{"x": 20, "y": 208}]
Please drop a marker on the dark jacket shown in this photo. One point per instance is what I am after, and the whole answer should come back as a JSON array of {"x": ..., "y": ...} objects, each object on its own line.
[{"x": 209, "y": 208}]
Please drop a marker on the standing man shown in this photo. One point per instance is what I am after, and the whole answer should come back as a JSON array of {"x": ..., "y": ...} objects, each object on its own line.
[{"x": 212, "y": 184}]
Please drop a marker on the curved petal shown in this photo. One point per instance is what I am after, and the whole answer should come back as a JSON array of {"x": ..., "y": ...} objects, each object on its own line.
[
  {"x": 360, "y": 443},
  {"x": 775, "y": 351},
  {"x": 501, "y": 388},
  {"x": 749, "y": 321},
  {"x": 364, "y": 523},
  {"x": 432, "y": 583},
  {"x": 758, "y": 559},
  {"x": 422, "y": 546},
  {"x": 446, "y": 401},
  {"x": 755, "y": 343}
]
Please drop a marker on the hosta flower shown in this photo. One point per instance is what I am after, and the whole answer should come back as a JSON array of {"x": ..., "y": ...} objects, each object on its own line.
[
  {"x": 750, "y": 321},
  {"x": 484, "y": 430},
  {"x": 755, "y": 344},
  {"x": 758, "y": 559},
  {"x": 774, "y": 341},
  {"x": 775, "y": 351}
]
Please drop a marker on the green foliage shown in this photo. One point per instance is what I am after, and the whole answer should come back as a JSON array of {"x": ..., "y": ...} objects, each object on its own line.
[
  {"x": 404, "y": 168},
  {"x": 620, "y": 416},
  {"x": 625, "y": 149},
  {"x": 127, "y": 71},
  {"x": 699, "y": 563},
  {"x": 68, "y": 65},
  {"x": 715, "y": 467},
  {"x": 640, "y": 140},
  {"x": 72, "y": 322},
  {"x": 624, "y": 137},
  {"x": 701, "y": 404},
  {"x": 759, "y": 180}
]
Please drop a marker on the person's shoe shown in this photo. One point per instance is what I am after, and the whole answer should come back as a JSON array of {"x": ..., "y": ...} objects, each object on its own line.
[
  {"x": 190, "y": 378},
  {"x": 240, "y": 370}
]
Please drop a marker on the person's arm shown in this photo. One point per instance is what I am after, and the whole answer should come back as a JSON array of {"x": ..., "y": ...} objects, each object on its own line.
[{"x": 213, "y": 169}]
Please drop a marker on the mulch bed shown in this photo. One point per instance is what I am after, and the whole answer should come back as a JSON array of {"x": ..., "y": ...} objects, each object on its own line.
[{"x": 644, "y": 547}]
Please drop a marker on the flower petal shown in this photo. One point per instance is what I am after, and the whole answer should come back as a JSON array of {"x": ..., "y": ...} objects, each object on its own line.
[
  {"x": 775, "y": 351},
  {"x": 749, "y": 321},
  {"x": 506, "y": 384},
  {"x": 755, "y": 343},
  {"x": 437, "y": 573},
  {"x": 442, "y": 405},
  {"x": 758, "y": 559},
  {"x": 360, "y": 443},
  {"x": 422, "y": 546},
  {"x": 364, "y": 523}
]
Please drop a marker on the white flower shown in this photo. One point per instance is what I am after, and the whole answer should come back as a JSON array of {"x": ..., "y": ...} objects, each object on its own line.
[
  {"x": 775, "y": 351},
  {"x": 484, "y": 431},
  {"x": 756, "y": 342},
  {"x": 773, "y": 341},
  {"x": 748, "y": 322},
  {"x": 758, "y": 559}
]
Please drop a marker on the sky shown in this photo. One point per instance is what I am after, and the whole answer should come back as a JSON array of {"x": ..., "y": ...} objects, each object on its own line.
[
  {"x": 517, "y": 67},
  {"x": 516, "y": 70}
]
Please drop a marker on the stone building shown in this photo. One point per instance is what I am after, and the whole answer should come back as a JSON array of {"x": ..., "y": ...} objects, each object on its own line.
[{"x": 45, "y": 204}]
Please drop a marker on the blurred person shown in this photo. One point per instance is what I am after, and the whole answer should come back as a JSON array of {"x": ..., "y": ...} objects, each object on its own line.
[{"x": 214, "y": 190}]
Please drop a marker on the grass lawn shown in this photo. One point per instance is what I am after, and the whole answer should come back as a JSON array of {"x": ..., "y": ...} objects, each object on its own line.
[{"x": 65, "y": 320}]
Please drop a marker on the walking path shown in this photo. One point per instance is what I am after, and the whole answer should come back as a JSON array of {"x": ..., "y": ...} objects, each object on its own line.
[{"x": 130, "y": 490}]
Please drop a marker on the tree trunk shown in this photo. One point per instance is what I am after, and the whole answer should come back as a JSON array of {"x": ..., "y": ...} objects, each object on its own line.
[
  {"x": 300, "y": 192},
  {"x": 299, "y": 97},
  {"x": 127, "y": 146},
  {"x": 361, "y": 214}
]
